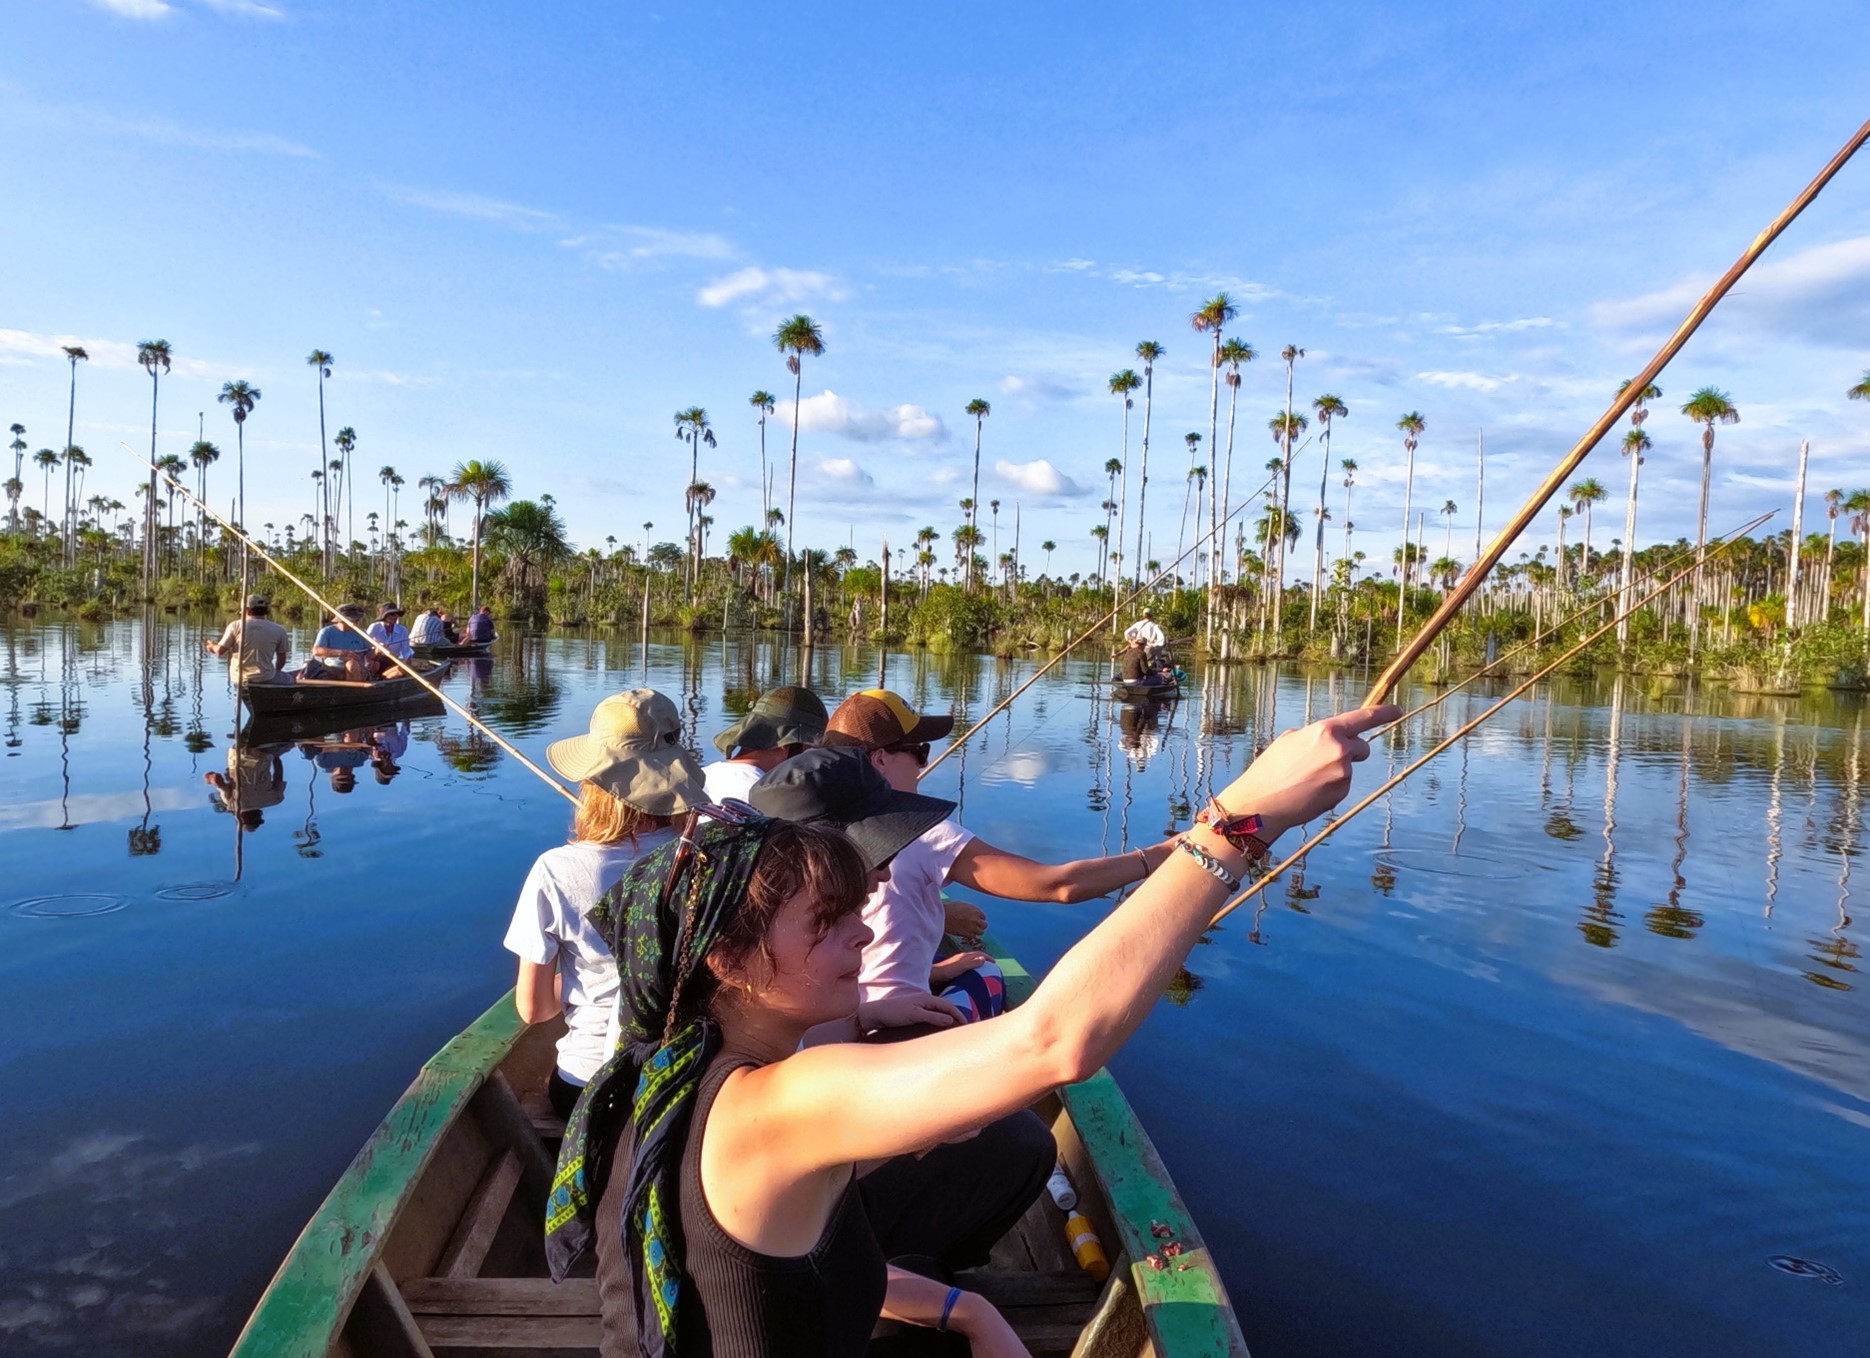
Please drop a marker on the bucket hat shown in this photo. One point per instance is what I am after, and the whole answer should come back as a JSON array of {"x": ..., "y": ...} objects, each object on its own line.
[
  {"x": 634, "y": 752},
  {"x": 782, "y": 716},
  {"x": 844, "y": 789},
  {"x": 876, "y": 717}
]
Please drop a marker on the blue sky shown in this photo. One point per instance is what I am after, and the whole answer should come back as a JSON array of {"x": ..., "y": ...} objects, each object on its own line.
[{"x": 535, "y": 233}]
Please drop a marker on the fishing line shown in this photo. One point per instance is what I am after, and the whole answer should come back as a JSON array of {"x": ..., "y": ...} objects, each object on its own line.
[
  {"x": 1273, "y": 874},
  {"x": 375, "y": 645}
]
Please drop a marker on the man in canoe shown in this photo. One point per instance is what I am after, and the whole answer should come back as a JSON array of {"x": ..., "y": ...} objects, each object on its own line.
[
  {"x": 783, "y": 723},
  {"x": 254, "y": 644},
  {"x": 1146, "y": 630},
  {"x": 388, "y": 631},
  {"x": 1136, "y": 668},
  {"x": 480, "y": 627},
  {"x": 428, "y": 629},
  {"x": 907, "y": 914},
  {"x": 339, "y": 651}
]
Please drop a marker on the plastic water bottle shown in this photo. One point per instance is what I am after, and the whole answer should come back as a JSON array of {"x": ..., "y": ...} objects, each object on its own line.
[
  {"x": 1086, "y": 1248},
  {"x": 1061, "y": 1190}
]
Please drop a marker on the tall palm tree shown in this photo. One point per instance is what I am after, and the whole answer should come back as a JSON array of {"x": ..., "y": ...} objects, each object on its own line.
[
  {"x": 1708, "y": 407},
  {"x": 692, "y": 428},
  {"x": 482, "y": 483},
  {"x": 698, "y": 497},
  {"x": 1211, "y": 318},
  {"x": 764, "y": 402},
  {"x": 322, "y": 361},
  {"x": 1448, "y": 510},
  {"x": 1193, "y": 439},
  {"x": 1635, "y": 445},
  {"x": 240, "y": 396},
  {"x": 15, "y": 484},
  {"x": 980, "y": 410},
  {"x": 74, "y": 354},
  {"x": 1122, "y": 383},
  {"x": 45, "y": 460},
  {"x": 1585, "y": 494},
  {"x": 1834, "y": 500},
  {"x": 155, "y": 357},
  {"x": 795, "y": 339},
  {"x": 1329, "y": 408},
  {"x": 1859, "y": 506},
  {"x": 1286, "y": 427},
  {"x": 1565, "y": 515},
  {"x": 345, "y": 441},
  {"x": 1412, "y": 426},
  {"x": 1234, "y": 353},
  {"x": 202, "y": 455},
  {"x": 1291, "y": 354},
  {"x": 1349, "y": 468},
  {"x": 1149, "y": 351},
  {"x": 387, "y": 477},
  {"x": 1860, "y": 391}
]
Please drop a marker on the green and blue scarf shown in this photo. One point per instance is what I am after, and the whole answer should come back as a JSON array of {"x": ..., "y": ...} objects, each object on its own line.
[{"x": 661, "y": 921}]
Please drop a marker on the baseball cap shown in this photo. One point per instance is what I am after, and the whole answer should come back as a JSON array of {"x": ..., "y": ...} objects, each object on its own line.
[
  {"x": 634, "y": 752},
  {"x": 259, "y": 602},
  {"x": 876, "y": 717},
  {"x": 843, "y": 788},
  {"x": 782, "y": 716}
]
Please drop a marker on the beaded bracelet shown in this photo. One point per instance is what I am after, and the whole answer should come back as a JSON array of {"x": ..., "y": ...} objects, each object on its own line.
[{"x": 1209, "y": 863}]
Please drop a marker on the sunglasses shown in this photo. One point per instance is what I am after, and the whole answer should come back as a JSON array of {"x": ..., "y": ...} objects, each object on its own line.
[{"x": 918, "y": 752}]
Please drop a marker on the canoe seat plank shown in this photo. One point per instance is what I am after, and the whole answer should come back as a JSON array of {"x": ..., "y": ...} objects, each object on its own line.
[
  {"x": 513, "y": 1336},
  {"x": 467, "y": 1250},
  {"x": 380, "y": 1322},
  {"x": 507, "y": 1317},
  {"x": 1059, "y": 1287}
]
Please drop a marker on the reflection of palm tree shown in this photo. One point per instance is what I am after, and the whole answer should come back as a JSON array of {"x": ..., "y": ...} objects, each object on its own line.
[
  {"x": 1671, "y": 919},
  {"x": 1599, "y": 925}
]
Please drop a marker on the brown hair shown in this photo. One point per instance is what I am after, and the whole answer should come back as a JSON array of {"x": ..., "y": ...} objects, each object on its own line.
[
  {"x": 602, "y": 818},
  {"x": 817, "y": 860}
]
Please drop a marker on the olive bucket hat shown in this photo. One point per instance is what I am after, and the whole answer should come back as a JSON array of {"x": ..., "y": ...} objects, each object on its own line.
[
  {"x": 782, "y": 716},
  {"x": 634, "y": 752}
]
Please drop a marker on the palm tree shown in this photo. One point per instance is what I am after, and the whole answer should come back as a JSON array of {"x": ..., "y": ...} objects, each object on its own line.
[
  {"x": 322, "y": 361},
  {"x": 1291, "y": 354},
  {"x": 1149, "y": 351},
  {"x": 531, "y": 537},
  {"x": 1861, "y": 391},
  {"x": 1193, "y": 440},
  {"x": 345, "y": 440},
  {"x": 1834, "y": 499},
  {"x": 1412, "y": 426},
  {"x": 1708, "y": 407},
  {"x": 74, "y": 354},
  {"x": 240, "y": 395},
  {"x": 1584, "y": 494},
  {"x": 1234, "y": 353},
  {"x": 1859, "y": 506},
  {"x": 15, "y": 485},
  {"x": 698, "y": 497},
  {"x": 202, "y": 455},
  {"x": 1329, "y": 408},
  {"x": 1122, "y": 383},
  {"x": 45, "y": 459},
  {"x": 389, "y": 480},
  {"x": 795, "y": 339},
  {"x": 764, "y": 402},
  {"x": 1048, "y": 547},
  {"x": 483, "y": 483},
  {"x": 1565, "y": 515},
  {"x": 1210, "y": 318},
  {"x": 692, "y": 428},
  {"x": 1448, "y": 511},
  {"x": 1635, "y": 445},
  {"x": 980, "y": 410},
  {"x": 1349, "y": 467}
]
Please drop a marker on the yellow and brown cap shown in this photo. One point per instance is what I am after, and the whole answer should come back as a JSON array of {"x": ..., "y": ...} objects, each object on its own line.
[{"x": 876, "y": 717}]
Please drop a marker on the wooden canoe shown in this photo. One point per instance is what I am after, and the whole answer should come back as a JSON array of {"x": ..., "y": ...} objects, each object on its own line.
[
  {"x": 336, "y": 695},
  {"x": 1129, "y": 691},
  {"x": 464, "y": 651},
  {"x": 430, "y": 1242}
]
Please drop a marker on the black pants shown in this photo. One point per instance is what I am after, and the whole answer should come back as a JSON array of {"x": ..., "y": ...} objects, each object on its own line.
[
  {"x": 931, "y": 1215},
  {"x": 562, "y": 1094}
]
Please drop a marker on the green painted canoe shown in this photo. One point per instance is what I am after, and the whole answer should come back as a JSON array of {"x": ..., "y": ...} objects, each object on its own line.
[{"x": 430, "y": 1242}]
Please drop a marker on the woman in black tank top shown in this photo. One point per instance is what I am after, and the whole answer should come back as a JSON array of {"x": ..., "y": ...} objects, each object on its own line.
[{"x": 743, "y": 1218}]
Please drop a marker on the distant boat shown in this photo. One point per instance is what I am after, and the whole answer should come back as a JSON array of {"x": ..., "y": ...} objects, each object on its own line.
[
  {"x": 462, "y": 651},
  {"x": 335, "y": 695},
  {"x": 432, "y": 1239}
]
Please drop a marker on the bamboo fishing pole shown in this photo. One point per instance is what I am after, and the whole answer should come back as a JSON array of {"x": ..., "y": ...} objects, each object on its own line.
[
  {"x": 1085, "y": 636},
  {"x": 1627, "y": 397},
  {"x": 1553, "y": 630},
  {"x": 374, "y": 644},
  {"x": 1274, "y": 873}
]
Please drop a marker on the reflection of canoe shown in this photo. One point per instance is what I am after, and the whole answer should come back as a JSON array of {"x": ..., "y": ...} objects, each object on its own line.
[
  {"x": 267, "y": 728},
  {"x": 337, "y": 695},
  {"x": 431, "y": 1240},
  {"x": 461, "y": 652}
]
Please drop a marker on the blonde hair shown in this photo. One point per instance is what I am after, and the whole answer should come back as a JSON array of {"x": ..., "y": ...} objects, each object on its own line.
[{"x": 603, "y": 818}]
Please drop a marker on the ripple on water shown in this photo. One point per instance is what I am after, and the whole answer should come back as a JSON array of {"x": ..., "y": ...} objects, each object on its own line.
[
  {"x": 1454, "y": 865},
  {"x": 195, "y": 891},
  {"x": 1805, "y": 1268},
  {"x": 75, "y": 905}
]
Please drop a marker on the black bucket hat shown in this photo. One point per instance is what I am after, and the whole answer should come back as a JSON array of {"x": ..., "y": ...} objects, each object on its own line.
[
  {"x": 782, "y": 716},
  {"x": 843, "y": 788}
]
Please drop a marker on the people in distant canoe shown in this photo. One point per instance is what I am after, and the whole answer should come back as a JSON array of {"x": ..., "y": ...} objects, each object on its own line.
[
  {"x": 634, "y": 777},
  {"x": 255, "y": 779},
  {"x": 1135, "y": 666},
  {"x": 449, "y": 630},
  {"x": 784, "y": 722},
  {"x": 388, "y": 631},
  {"x": 254, "y": 644},
  {"x": 427, "y": 629},
  {"x": 480, "y": 627},
  {"x": 339, "y": 651},
  {"x": 753, "y": 1217},
  {"x": 1146, "y": 630},
  {"x": 906, "y": 914}
]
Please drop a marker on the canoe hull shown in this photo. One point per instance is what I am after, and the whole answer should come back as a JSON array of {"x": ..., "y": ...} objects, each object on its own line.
[
  {"x": 326, "y": 695},
  {"x": 463, "y": 652}
]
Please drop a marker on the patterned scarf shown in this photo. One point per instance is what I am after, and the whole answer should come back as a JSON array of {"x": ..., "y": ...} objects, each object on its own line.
[{"x": 661, "y": 921}]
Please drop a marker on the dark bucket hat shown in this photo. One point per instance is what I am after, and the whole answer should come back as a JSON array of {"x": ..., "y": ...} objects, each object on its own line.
[
  {"x": 782, "y": 716},
  {"x": 843, "y": 788}
]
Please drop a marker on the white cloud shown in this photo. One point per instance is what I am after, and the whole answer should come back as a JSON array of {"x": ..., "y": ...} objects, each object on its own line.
[
  {"x": 754, "y": 284},
  {"x": 830, "y": 413},
  {"x": 1466, "y": 381},
  {"x": 1038, "y": 477},
  {"x": 844, "y": 470},
  {"x": 1495, "y": 327},
  {"x": 103, "y": 353},
  {"x": 472, "y": 205},
  {"x": 246, "y": 9},
  {"x": 136, "y": 9},
  {"x": 158, "y": 9},
  {"x": 624, "y": 247},
  {"x": 1034, "y": 388},
  {"x": 1821, "y": 295}
]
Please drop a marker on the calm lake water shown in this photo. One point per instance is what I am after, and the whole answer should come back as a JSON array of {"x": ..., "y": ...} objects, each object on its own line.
[{"x": 1555, "y": 1052}]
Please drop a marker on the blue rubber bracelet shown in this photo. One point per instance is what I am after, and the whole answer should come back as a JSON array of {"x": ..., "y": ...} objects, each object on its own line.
[{"x": 947, "y": 1307}]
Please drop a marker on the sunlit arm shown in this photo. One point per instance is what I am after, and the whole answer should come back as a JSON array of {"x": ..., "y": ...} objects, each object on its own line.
[
  {"x": 536, "y": 993},
  {"x": 999, "y": 873}
]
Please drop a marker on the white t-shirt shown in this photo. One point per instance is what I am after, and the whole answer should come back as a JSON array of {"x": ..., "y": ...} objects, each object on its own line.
[
  {"x": 394, "y": 636},
  {"x": 906, "y": 914},
  {"x": 551, "y": 924},
  {"x": 730, "y": 778},
  {"x": 1145, "y": 631}
]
